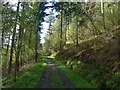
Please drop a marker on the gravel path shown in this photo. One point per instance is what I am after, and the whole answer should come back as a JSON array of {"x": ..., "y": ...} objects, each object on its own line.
[{"x": 52, "y": 69}]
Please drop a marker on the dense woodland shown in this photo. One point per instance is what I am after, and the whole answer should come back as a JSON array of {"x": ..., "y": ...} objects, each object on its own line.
[{"x": 84, "y": 36}]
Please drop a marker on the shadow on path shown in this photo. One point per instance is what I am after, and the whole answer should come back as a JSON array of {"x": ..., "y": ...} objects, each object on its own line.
[{"x": 52, "y": 70}]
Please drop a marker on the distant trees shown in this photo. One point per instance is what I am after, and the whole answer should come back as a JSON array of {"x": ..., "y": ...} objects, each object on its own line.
[
  {"x": 77, "y": 21},
  {"x": 20, "y": 34}
]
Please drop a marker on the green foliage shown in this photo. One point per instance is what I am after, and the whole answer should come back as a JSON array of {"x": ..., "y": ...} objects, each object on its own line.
[
  {"x": 77, "y": 80},
  {"x": 27, "y": 79},
  {"x": 116, "y": 80},
  {"x": 82, "y": 24},
  {"x": 91, "y": 74},
  {"x": 102, "y": 62},
  {"x": 20, "y": 34},
  {"x": 80, "y": 32}
]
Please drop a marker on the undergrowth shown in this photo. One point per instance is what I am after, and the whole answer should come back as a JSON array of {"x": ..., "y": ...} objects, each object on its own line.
[
  {"x": 75, "y": 78},
  {"x": 26, "y": 79},
  {"x": 96, "y": 60}
]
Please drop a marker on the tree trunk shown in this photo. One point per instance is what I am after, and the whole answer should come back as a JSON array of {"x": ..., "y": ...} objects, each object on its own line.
[
  {"x": 68, "y": 26},
  {"x": 65, "y": 36},
  {"x": 21, "y": 58},
  {"x": 8, "y": 46},
  {"x": 2, "y": 37},
  {"x": 102, "y": 11},
  {"x": 76, "y": 28},
  {"x": 61, "y": 28},
  {"x": 36, "y": 32},
  {"x": 18, "y": 49},
  {"x": 12, "y": 44},
  {"x": 77, "y": 35},
  {"x": 36, "y": 46},
  {"x": 29, "y": 46}
]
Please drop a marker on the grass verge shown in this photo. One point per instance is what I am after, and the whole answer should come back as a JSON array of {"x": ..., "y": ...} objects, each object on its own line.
[
  {"x": 28, "y": 79},
  {"x": 76, "y": 79}
]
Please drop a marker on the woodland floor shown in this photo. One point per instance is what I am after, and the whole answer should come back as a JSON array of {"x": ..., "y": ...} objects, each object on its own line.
[{"x": 54, "y": 77}]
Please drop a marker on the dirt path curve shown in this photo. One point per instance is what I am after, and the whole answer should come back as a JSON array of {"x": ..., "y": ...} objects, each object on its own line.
[{"x": 53, "y": 70}]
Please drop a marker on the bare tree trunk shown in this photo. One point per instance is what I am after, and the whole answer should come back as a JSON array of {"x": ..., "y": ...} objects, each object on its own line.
[
  {"x": 36, "y": 46},
  {"x": 29, "y": 45},
  {"x": 12, "y": 44},
  {"x": 102, "y": 11},
  {"x": 8, "y": 45},
  {"x": 2, "y": 37},
  {"x": 77, "y": 35},
  {"x": 65, "y": 33},
  {"x": 76, "y": 28},
  {"x": 68, "y": 20},
  {"x": 61, "y": 28},
  {"x": 65, "y": 36},
  {"x": 118, "y": 13},
  {"x": 36, "y": 32},
  {"x": 68, "y": 26},
  {"x": 18, "y": 49},
  {"x": 24, "y": 49},
  {"x": 21, "y": 58}
]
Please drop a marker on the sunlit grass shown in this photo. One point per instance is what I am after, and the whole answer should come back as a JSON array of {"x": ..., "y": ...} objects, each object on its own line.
[
  {"x": 28, "y": 79},
  {"x": 52, "y": 56},
  {"x": 76, "y": 79}
]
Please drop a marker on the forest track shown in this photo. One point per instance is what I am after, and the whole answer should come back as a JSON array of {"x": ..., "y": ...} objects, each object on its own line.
[{"x": 53, "y": 69}]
